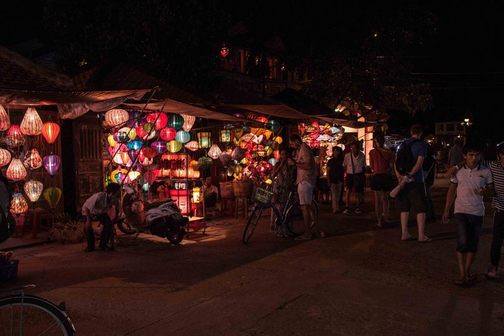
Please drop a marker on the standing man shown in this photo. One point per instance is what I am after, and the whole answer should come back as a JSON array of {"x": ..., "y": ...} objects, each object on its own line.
[
  {"x": 305, "y": 180},
  {"x": 335, "y": 175},
  {"x": 355, "y": 179},
  {"x": 409, "y": 164},
  {"x": 467, "y": 188}
]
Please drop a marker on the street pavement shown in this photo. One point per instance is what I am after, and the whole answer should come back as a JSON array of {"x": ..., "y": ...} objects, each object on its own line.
[{"x": 359, "y": 280}]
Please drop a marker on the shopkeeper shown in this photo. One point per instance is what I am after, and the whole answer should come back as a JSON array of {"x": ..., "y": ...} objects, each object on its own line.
[{"x": 210, "y": 193}]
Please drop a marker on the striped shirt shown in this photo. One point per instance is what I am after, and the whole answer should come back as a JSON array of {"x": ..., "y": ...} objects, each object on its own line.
[{"x": 498, "y": 179}]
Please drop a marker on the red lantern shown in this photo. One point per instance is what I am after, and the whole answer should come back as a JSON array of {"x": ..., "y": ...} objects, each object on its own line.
[
  {"x": 224, "y": 52},
  {"x": 148, "y": 152},
  {"x": 16, "y": 170},
  {"x": 50, "y": 132},
  {"x": 168, "y": 134},
  {"x": 14, "y": 136},
  {"x": 160, "y": 118}
]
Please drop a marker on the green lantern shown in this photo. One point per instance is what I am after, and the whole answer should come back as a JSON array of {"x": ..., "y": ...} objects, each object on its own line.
[
  {"x": 183, "y": 137},
  {"x": 176, "y": 121}
]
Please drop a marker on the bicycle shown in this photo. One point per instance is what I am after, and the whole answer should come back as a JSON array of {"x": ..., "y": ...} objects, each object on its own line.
[{"x": 22, "y": 314}]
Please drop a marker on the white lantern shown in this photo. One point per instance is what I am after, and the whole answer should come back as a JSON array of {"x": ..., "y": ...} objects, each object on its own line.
[
  {"x": 31, "y": 123},
  {"x": 5, "y": 157},
  {"x": 116, "y": 117},
  {"x": 33, "y": 189},
  {"x": 214, "y": 152},
  {"x": 4, "y": 119},
  {"x": 16, "y": 170},
  {"x": 189, "y": 121}
]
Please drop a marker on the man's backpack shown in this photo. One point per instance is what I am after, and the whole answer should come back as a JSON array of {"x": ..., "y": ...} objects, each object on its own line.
[{"x": 405, "y": 160}]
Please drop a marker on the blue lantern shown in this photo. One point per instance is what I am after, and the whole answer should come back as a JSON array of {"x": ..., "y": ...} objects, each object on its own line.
[
  {"x": 183, "y": 137},
  {"x": 135, "y": 144}
]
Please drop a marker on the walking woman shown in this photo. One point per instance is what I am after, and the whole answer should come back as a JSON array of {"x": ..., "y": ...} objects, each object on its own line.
[{"x": 381, "y": 161}]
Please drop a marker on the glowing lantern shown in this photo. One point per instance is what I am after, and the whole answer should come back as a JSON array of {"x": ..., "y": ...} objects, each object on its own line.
[
  {"x": 133, "y": 154},
  {"x": 214, "y": 152},
  {"x": 159, "y": 146},
  {"x": 143, "y": 160},
  {"x": 272, "y": 161},
  {"x": 174, "y": 146},
  {"x": 4, "y": 119},
  {"x": 32, "y": 159},
  {"x": 148, "y": 152},
  {"x": 276, "y": 155},
  {"x": 31, "y": 123},
  {"x": 192, "y": 145},
  {"x": 33, "y": 189},
  {"x": 225, "y": 136},
  {"x": 5, "y": 157},
  {"x": 51, "y": 164},
  {"x": 278, "y": 140},
  {"x": 50, "y": 132},
  {"x": 135, "y": 144},
  {"x": 133, "y": 175},
  {"x": 16, "y": 171},
  {"x": 159, "y": 120},
  {"x": 224, "y": 52},
  {"x": 183, "y": 137},
  {"x": 116, "y": 117},
  {"x": 18, "y": 205},
  {"x": 176, "y": 121},
  {"x": 52, "y": 196},
  {"x": 204, "y": 139},
  {"x": 168, "y": 134},
  {"x": 189, "y": 121},
  {"x": 118, "y": 175},
  {"x": 14, "y": 136},
  {"x": 126, "y": 134},
  {"x": 196, "y": 195},
  {"x": 125, "y": 159},
  {"x": 111, "y": 141}
]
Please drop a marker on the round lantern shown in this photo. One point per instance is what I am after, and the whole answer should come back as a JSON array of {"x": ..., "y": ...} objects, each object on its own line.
[
  {"x": 116, "y": 117},
  {"x": 111, "y": 141},
  {"x": 33, "y": 189},
  {"x": 5, "y": 157},
  {"x": 192, "y": 145},
  {"x": 183, "y": 137},
  {"x": 158, "y": 119},
  {"x": 32, "y": 159},
  {"x": 135, "y": 145},
  {"x": 272, "y": 161},
  {"x": 52, "y": 196},
  {"x": 159, "y": 146},
  {"x": 148, "y": 152},
  {"x": 176, "y": 121},
  {"x": 189, "y": 121},
  {"x": 168, "y": 134},
  {"x": 214, "y": 152},
  {"x": 118, "y": 175},
  {"x": 143, "y": 160},
  {"x": 18, "y": 205},
  {"x": 31, "y": 123},
  {"x": 16, "y": 171},
  {"x": 126, "y": 134},
  {"x": 4, "y": 119},
  {"x": 15, "y": 137},
  {"x": 125, "y": 159},
  {"x": 50, "y": 132},
  {"x": 51, "y": 164},
  {"x": 174, "y": 146}
]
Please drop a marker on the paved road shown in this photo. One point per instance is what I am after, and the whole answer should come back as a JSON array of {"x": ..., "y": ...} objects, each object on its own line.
[{"x": 358, "y": 281}]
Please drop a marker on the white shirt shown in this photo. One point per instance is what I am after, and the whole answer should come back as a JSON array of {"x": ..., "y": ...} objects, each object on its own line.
[
  {"x": 468, "y": 181},
  {"x": 306, "y": 175},
  {"x": 359, "y": 163}
]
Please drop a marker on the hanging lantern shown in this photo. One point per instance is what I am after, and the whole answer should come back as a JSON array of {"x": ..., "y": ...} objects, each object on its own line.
[
  {"x": 15, "y": 137},
  {"x": 4, "y": 119},
  {"x": 204, "y": 162},
  {"x": 51, "y": 164},
  {"x": 159, "y": 119},
  {"x": 143, "y": 160},
  {"x": 31, "y": 123},
  {"x": 204, "y": 139},
  {"x": 125, "y": 159},
  {"x": 18, "y": 205},
  {"x": 278, "y": 140},
  {"x": 126, "y": 134},
  {"x": 33, "y": 189},
  {"x": 118, "y": 175},
  {"x": 168, "y": 134},
  {"x": 174, "y": 146},
  {"x": 5, "y": 157},
  {"x": 135, "y": 145},
  {"x": 52, "y": 196},
  {"x": 274, "y": 125},
  {"x": 183, "y": 137},
  {"x": 272, "y": 161},
  {"x": 159, "y": 146},
  {"x": 50, "y": 132},
  {"x": 189, "y": 121},
  {"x": 225, "y": 135},
  {"x": 148, "y": 152},
  {"x": 116, "y": 117},
  {"x": 16, "y": 171},
  {"x": 133, "y": 175},
  {"x": 176, "y": 121},
  {"x": 32, "y": 159},
  {"x": 214, "y": 152},
  {"x": 224, "y": 51},
  {"x": 192, "y": 146},
  {"x": 111, "y": 141}
]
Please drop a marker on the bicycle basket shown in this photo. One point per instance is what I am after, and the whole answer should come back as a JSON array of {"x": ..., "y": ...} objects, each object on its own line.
[{"x": 263, "y": 196}]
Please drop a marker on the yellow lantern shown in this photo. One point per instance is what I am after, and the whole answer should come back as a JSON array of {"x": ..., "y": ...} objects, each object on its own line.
[
  {"x": 133, "y": 175},
  {"x": 111, "y": 140},
  {"x": 18, "y": 205},
  {"x": 214, "y": 152},
  {"x": 4, "y": 119},
  {"x": 278, "y": 140},
  {"x": 31, "y": 123},
  {"x": 174, "y": 146},
  {"x": 16, "y": 170},
  {"x": 196, "y": 195},
  {"x": 5, "y": 157},
  {"x": 188, "y": 122},
  {"x": 116, "y": 117},
  {"x": 33, "y": 189}
]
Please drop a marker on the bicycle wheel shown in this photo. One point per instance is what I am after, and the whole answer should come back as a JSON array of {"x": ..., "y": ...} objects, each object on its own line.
[
  {"x": 32, "y": 316},
  {"x": 252, "y": 224}
]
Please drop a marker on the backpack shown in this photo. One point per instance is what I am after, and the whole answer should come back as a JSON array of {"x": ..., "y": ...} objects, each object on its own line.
[{"x": 405, "y": 161}]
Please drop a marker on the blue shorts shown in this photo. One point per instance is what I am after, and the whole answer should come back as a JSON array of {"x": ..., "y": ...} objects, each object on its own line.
[{"x": 468, "y": 232}]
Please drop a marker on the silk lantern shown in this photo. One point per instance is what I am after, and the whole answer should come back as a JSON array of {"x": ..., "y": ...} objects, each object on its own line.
[
  {"x": 18, "y": 205},
  {"x": 148, "y": 152},
  {"x": 168, "y": 134},
  {"x": 192, "y": 145},
  {"x": 4, "y": 119},
  {"x": 51, "y": 164},
  {"x": 16, "y": 170},
  {"x": 183, "y": 137},
  {"x": 189, "y": 121},
  {"x": 214, "y": 152},
  {"x": 31, "y": 123},
  {"x": 176, "y": 121},
  {"x": 126, "y": 134},
  {"x": 111, "y": 141},
  {"x": 5, "y": 157},
  {"x": 135, "y": 145},
  {"x": 159, "y": 146},
  {"x": 52, "y": 196},
  {"x": 225, "y": 135},
  {"x": 118, "y": 175},
  {"x": 174, "y": 146},
  {"x": 50, "y": 132},
  {"x": 116, "y": 117},
  {"x": 159, "y": 119},
  {"x": 32, "y": 159},
  {"x": 204, "y": 139},
  {"x": 15, "y": 137},
  {"x": 133, "y": 175},
  {"x": 33, "y": 189}
]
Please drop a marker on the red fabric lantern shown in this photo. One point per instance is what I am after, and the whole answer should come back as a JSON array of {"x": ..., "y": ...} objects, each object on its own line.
[
  {"x": 160, "y": 118},
  {"x": 16, "y": 170},
  {"x": 168, "y": 134},
  {"x": 14, "y": 136},
  {"x": 5, "y": 157},
  {"x": 4, "y": 119},
  {"x": 50, "y": 132},
  {"x": 148, "y": 152},
  {"x": 31, "y": 123}
]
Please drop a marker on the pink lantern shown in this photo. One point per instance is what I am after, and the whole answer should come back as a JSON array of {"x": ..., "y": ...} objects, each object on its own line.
[
  {"x": 52, "y": 163},
  {"x": 50, "y": 132},
  {"x": 159, "y": 146},
  {"x": 214, "y": 152},
  {"x": 160, "y": 119},
  {"x": 5, "y": 157},
  {"x": 32, "y": 159},
  {"x": 33, "y": 190},
  {"x": 192, "y": 145},
  {"x": 18, "y": 205},
  {"x": 31, "y": 123},
  {"x": 4, "y": 119},
  {"x": 16, "y": 171},
  {"x": 116, "y": 117},
  {"x": 168, "y": 134},
  {"x": 189, "y": 121},
  {"x": 14, "y": 136}
]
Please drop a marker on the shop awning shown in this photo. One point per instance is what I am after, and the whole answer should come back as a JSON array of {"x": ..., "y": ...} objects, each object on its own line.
[
  {"x": 274, "y": 110},
  {"x": 345, "y": 122}
]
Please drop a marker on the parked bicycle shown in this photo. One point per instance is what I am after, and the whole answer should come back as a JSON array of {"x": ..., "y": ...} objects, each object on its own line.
[{"x": 30, "y": 315}]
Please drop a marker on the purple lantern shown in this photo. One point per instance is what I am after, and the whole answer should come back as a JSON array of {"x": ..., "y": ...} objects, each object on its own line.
[
  {"x": 133, "y": 154},
  {"x": 159, "y": 146},
  {"x": 52, "y": 163}
]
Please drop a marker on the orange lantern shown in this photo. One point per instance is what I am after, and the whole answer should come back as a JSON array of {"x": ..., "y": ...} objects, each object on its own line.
[
  {"x": 5, "y": 157},
  {"x": 50, "y": 132},
  {"x": 4, "y": 119},
  {"x": 31, "y": 123},
  {"x": 18, "y": 205},
  {"x": 16, "y": 170},
  {"x": 116, "y": 117},
  {"x": 14, "y": 136}
]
